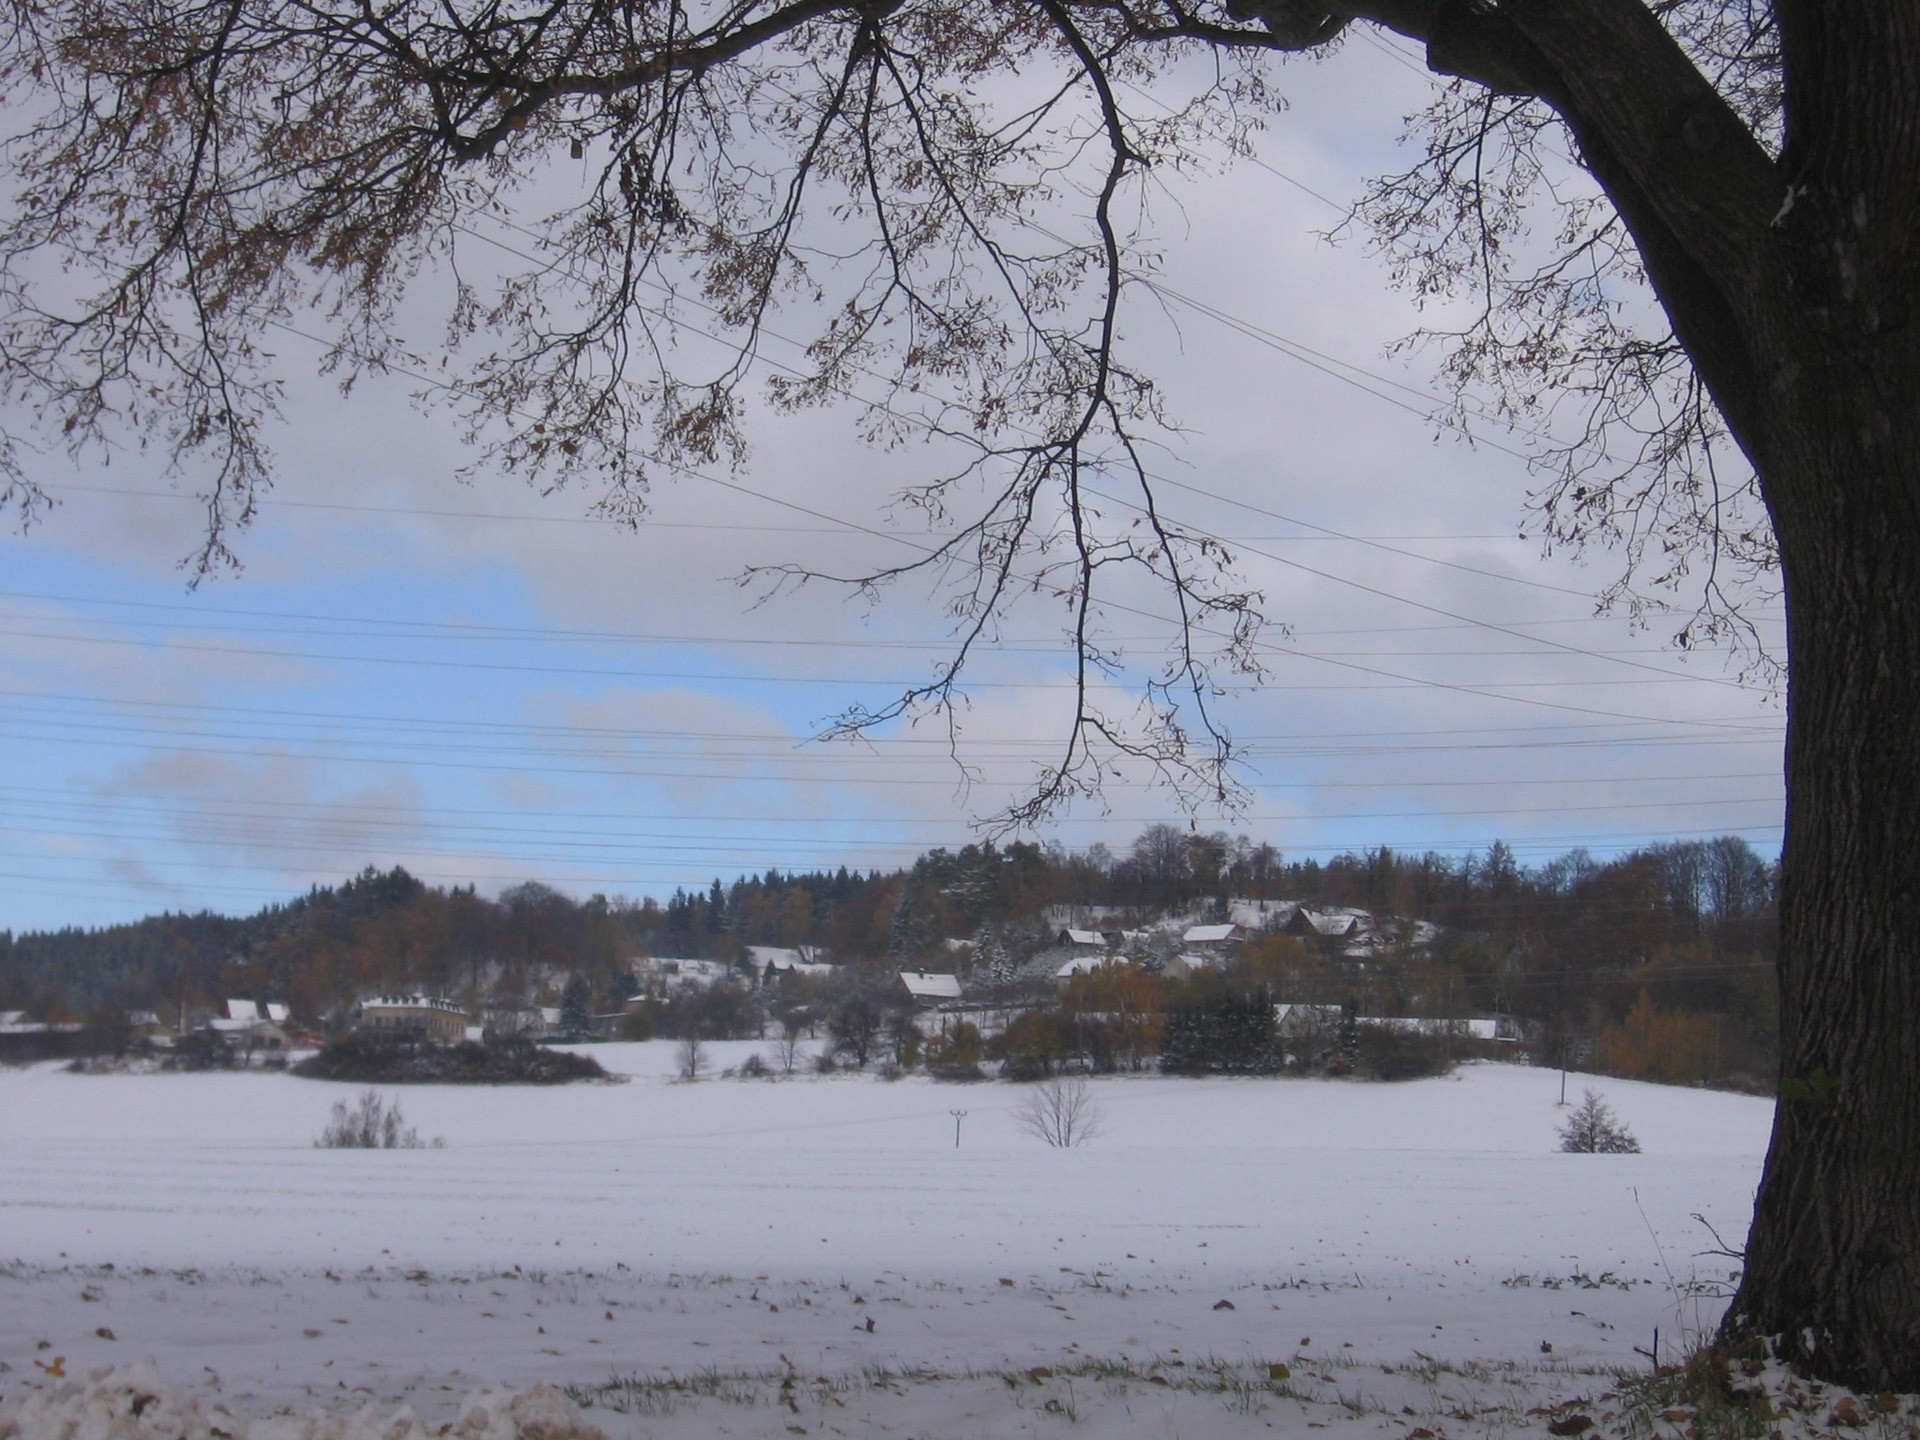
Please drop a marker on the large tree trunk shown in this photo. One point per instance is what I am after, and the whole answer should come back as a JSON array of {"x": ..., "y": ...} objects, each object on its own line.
[
  {"x": 1833, "y": 1260},
  {"x": 1795, "y": 286},
  {"x": 1792, "y": 284}
]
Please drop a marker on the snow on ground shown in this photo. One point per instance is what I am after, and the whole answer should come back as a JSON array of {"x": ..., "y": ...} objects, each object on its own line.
[{"x": 815, "y": 1254}]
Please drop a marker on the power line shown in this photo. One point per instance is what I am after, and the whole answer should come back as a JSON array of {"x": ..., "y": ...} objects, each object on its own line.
[
  {"x": 788, "y": 738},
  {"x": 449, "y": 629},
  {"x": 1377, "y": 591}
]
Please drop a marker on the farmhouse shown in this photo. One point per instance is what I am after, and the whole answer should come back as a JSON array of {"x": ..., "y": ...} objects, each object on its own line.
[
  {"x": 1082, "y": 942},
  {"x": 671, "y": 973},
  {"x": 768, "y": 963},
  {"x": 244, "y": 1027},
  {"x": 414, "y": 1017},
  {"x": 928, "y": 988},
  {"x": 1081, "y": 965},
  {"x": 1327, "y": 924},
  {"x": 1212, "y": 939}
]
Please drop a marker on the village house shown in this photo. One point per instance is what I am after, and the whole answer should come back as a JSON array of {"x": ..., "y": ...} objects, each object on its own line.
[
  {"x": 768, "y": 963},
  {"x": 1324, "y": 924},
  {"x": 927, "y": 989},
  {"x": 1084, "y": 964},
  {"x": 1492, "y": 1028},
  {"x": 1213, "y": 939},
  {"x": 669, "y": 973},
  {"x": 246, "y": 1027},
  {"x": 411, "y": 1017},
  {"x": 1082, "y": 942}
]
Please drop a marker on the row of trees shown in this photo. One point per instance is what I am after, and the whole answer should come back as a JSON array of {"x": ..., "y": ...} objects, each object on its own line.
[{"x": 1572, "y": 945}]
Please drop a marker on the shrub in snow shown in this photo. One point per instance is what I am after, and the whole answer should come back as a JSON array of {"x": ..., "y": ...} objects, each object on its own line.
[
  {"x": 955, "y": 1053},
  {"x": 1384, "y": 1053},
  {"x": 1592, "y": 1130},
  {"x": 372, "y": 1124},
  {"x": 1060, "y": 1112}
]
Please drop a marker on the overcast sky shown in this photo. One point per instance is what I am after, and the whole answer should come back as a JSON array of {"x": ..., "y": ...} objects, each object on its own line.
[{"x": 485, "y": 685}]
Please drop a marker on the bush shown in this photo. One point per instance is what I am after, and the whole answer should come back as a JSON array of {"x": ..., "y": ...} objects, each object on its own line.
[
  {"x": 1668, "y": 1046},
  {"x": 854, "y": 1026},
  {"x": 1592, "y": 1130},
  {"x": 367, "y": 1061},
  {"x": 636, "y": 1025},
  {"x": 1032, "y": 1047},
  {"x": 373, "y": 1124},
  {"x": 754, "y": 1068},
  {"x": 1387, "y": 1054},
  {"x": 955, "y": 1055}
]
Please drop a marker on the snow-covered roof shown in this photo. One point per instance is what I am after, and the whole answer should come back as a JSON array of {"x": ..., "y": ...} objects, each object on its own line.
[
  {"x": 277, "y": 1013},
  {"x": 240, "y": 1027},
  {"x": 1081, "y": 965},
  {"x": 1189, "y": 960},
  {"x": 799, "y": 960},
  {"x": 397, "y": 1002},
  {"x": 1085, "y": 937},
  {"x": 1306, "y": 1015},
  {"x": 781, "y": 957},
  {"x": 929, "y": 985},
  {"x": 1258, "y": 914},
  {"x": 1333, "y": 926},
  {"x": 242, "y": 1010},
  {"x": 1477, "y": 1029},
  {"x": 1209, "y": 934}
]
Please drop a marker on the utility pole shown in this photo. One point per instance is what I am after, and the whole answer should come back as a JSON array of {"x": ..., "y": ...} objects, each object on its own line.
[{"x": 958, "y": 1116}]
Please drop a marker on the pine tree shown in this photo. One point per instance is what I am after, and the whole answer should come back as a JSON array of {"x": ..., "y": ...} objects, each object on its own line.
[
  {"x": 1593, "y": 1130},
  {"x": 576, "y": 1009}
]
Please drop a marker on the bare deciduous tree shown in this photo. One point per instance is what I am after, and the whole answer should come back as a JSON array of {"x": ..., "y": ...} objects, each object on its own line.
[
  {"x": 193, "y": 180},
  {"x": 1060, "y": 1112},
  {"x": 692, "y": 1055},
  {"x": 787, "y": 1044}
]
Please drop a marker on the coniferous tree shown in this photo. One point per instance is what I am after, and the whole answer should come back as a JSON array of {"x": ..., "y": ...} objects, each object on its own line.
[{"x": 576, "y": 1009}]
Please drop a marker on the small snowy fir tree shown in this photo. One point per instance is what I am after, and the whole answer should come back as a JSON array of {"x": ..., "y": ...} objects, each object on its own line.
[
  {"x": 576, "y": 1010},
  {"x": 1592, "y": 1130}
]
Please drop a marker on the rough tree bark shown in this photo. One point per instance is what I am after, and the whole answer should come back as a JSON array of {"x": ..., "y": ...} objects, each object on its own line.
[{"x": 1793, "y": 285}]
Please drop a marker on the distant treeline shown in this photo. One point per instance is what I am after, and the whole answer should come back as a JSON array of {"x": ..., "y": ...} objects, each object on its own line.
[{"x": 1664, "y": 952}]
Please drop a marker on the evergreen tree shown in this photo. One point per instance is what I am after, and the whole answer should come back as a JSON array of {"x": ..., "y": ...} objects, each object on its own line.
[{"x": 576, "y": 1009}]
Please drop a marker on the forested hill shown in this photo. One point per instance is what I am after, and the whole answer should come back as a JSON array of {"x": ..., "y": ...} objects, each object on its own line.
[{"x": 1574, "y": 941}]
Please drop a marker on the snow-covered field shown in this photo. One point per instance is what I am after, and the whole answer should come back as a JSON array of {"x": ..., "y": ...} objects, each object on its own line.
[{"x": 816, "y": 1255}]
